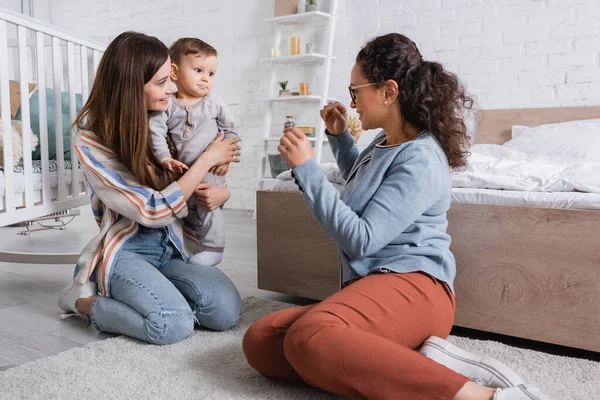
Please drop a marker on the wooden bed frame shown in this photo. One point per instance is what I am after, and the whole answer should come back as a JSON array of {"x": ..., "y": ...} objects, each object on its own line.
[{"x": 527, "y": 272}]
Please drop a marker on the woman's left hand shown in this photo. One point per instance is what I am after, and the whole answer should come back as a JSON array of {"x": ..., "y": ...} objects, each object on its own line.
[
  {"x": 295, "y": 147},
  {"x": 211, "y": 196}
]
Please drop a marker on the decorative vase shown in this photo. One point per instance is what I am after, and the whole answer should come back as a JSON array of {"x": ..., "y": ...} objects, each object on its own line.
[
  {"x": 310, "y": 7},
  {"x": 290, "y": 121}
]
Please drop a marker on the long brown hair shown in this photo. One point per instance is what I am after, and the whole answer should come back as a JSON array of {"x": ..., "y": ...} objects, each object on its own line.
[
  {"x": 116, "y": 110},
  {"x": 430, "y": 97}
]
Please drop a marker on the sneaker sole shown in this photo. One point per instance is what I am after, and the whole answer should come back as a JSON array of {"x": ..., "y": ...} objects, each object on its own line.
[{"x": 501, "y": 371}]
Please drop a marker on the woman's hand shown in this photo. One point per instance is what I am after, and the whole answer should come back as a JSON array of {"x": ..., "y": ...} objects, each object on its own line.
[
  {"x": 222, "y": 151},
  {"x": 211, "y": 196},
  {"x": 335, "y": 116},
  {"x": 295, "y": 147}
]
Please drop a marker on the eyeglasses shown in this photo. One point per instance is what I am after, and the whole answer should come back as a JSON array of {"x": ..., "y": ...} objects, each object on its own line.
[{"x": 353, "y": 91}]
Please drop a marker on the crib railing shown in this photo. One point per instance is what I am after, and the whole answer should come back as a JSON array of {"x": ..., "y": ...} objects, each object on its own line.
[{"x": 32, "y": 51}]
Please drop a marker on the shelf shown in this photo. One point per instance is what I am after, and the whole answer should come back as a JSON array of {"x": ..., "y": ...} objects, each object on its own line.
[
  {"x": 295, "y": 98},
  {"x": 308, "y": 58},
  {"x": 312, "y": 16},
  {"x": 321, "y": 26}
]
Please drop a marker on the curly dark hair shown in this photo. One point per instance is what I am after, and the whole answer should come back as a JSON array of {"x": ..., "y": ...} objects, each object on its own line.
[{"x": 430, "y": 97}]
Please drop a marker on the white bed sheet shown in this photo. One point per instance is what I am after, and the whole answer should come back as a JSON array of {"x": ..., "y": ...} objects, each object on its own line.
[
  {"x": 569, "y": 200},
  {"x": 19, "y": 181},
  {"x": 492, "y": 166}
]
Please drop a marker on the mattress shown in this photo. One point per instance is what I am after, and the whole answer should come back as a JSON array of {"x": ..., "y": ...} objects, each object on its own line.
[
  {"x": 499, "y": 175},
  {"x": 570, "y": 200},
  {"x": 19, "y": 177}
]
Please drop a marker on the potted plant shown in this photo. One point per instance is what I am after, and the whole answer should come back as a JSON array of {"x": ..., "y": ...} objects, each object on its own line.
[
  {"x": 284, "y": 91},
  {"x": 311, "y": 5}
]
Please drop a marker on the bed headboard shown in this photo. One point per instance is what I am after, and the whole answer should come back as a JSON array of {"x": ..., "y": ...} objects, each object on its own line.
[{"x": 494, "y": 126}]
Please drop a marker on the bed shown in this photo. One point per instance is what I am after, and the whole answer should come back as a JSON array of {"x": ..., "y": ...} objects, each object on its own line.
[
  {"x": 45, "y": 76},
  {"x": 527, "y": 263}
]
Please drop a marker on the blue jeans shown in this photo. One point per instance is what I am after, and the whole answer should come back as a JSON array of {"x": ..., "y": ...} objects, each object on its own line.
[{"x": 157, "y": 296}]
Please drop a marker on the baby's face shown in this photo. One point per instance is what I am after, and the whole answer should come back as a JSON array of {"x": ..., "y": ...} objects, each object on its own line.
[{"x": 195, "y": 75}]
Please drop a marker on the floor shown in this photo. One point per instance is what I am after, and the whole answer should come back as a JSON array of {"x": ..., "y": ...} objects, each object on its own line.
[{"x": 30, "y": 322}]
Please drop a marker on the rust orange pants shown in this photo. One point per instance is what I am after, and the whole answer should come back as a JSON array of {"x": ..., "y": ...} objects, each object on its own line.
[{"x": 361, "y": 341}]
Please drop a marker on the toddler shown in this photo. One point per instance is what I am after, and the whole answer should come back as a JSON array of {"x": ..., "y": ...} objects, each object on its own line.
[{"x": 193, "y": 120}]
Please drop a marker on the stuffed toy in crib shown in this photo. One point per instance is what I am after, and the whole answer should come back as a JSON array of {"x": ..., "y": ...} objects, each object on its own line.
[{"x": 17, "y": 142}]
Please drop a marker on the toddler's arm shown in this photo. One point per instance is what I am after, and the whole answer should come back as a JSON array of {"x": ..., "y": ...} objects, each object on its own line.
[
  {"x": 226, "y": 120},
  {"x": 158, "y": 135},
  {"x": 226, "y": 123}
]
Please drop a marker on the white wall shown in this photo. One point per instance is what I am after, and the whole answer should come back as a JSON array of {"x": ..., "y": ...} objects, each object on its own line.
[
  {"x": 509, "y": 53},
  {"x": 39, "y": 8}
]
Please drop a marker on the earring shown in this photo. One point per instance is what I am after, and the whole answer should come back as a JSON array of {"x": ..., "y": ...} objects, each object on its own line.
[{"x": 385, "y": 102}]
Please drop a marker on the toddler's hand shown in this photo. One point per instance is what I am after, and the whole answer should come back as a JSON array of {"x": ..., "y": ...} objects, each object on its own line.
[
  {"x": 221, "y": 170},
  {"x": 173, "y": 165}
]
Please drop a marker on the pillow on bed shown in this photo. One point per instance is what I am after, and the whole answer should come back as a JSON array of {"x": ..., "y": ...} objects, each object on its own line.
[
  {"x": 572, "y": 139},
  {"x": 331, "y": 171}
]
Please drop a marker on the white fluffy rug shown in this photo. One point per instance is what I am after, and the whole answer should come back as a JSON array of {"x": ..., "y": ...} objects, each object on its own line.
[{"x": 211, "y": 365}]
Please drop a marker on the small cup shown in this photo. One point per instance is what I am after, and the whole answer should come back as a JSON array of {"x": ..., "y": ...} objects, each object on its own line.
[{"x": 275, "y": 53}]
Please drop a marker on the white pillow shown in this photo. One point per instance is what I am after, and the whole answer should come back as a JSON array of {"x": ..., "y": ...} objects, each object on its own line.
[
  {"x": 573, "y": 139},
  {"x": 331, "y": 171}
]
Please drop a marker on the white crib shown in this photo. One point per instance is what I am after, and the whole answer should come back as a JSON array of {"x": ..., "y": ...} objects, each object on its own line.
[{"x": 32, "y": 52}]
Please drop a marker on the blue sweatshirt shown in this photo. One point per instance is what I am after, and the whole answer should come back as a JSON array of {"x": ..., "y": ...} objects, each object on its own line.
[{"x": 391, "y": 215}]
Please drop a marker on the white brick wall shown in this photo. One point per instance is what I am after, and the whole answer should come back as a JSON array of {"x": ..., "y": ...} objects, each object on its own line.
[
  {"x": 39, "y": 8},
  {"x": 509, "y": 53}
]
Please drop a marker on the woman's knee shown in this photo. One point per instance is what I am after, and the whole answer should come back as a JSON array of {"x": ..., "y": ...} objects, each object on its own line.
[
  {"x": 256, "y": 346},
  {"x": 221, "y": 309},
  {"x": 168, "y": 327},
  {"x": 307, "y": 338}
]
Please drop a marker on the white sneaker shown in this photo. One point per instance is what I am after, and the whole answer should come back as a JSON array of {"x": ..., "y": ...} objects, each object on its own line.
[
  {"x": 484, "y": 371},
  {"x": 520, "y": 392},
  {"x": 69, "y": 295}
]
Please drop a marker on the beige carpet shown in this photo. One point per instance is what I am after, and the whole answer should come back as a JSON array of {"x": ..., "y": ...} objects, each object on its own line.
[{"x": 211, "y": 365}]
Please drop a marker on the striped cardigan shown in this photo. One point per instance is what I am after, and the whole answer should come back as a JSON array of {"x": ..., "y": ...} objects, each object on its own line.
[{"x": 119, "y": 203}]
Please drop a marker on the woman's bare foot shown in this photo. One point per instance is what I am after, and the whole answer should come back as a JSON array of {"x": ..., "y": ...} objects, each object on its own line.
[
  {"x": 72, "y": 293},
  {"x": 84, "y": 305},
  {"x": 473, "y": 391}
]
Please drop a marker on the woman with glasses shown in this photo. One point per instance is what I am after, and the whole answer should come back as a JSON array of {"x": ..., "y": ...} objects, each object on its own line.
[{"x": 380, "y": 337}]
